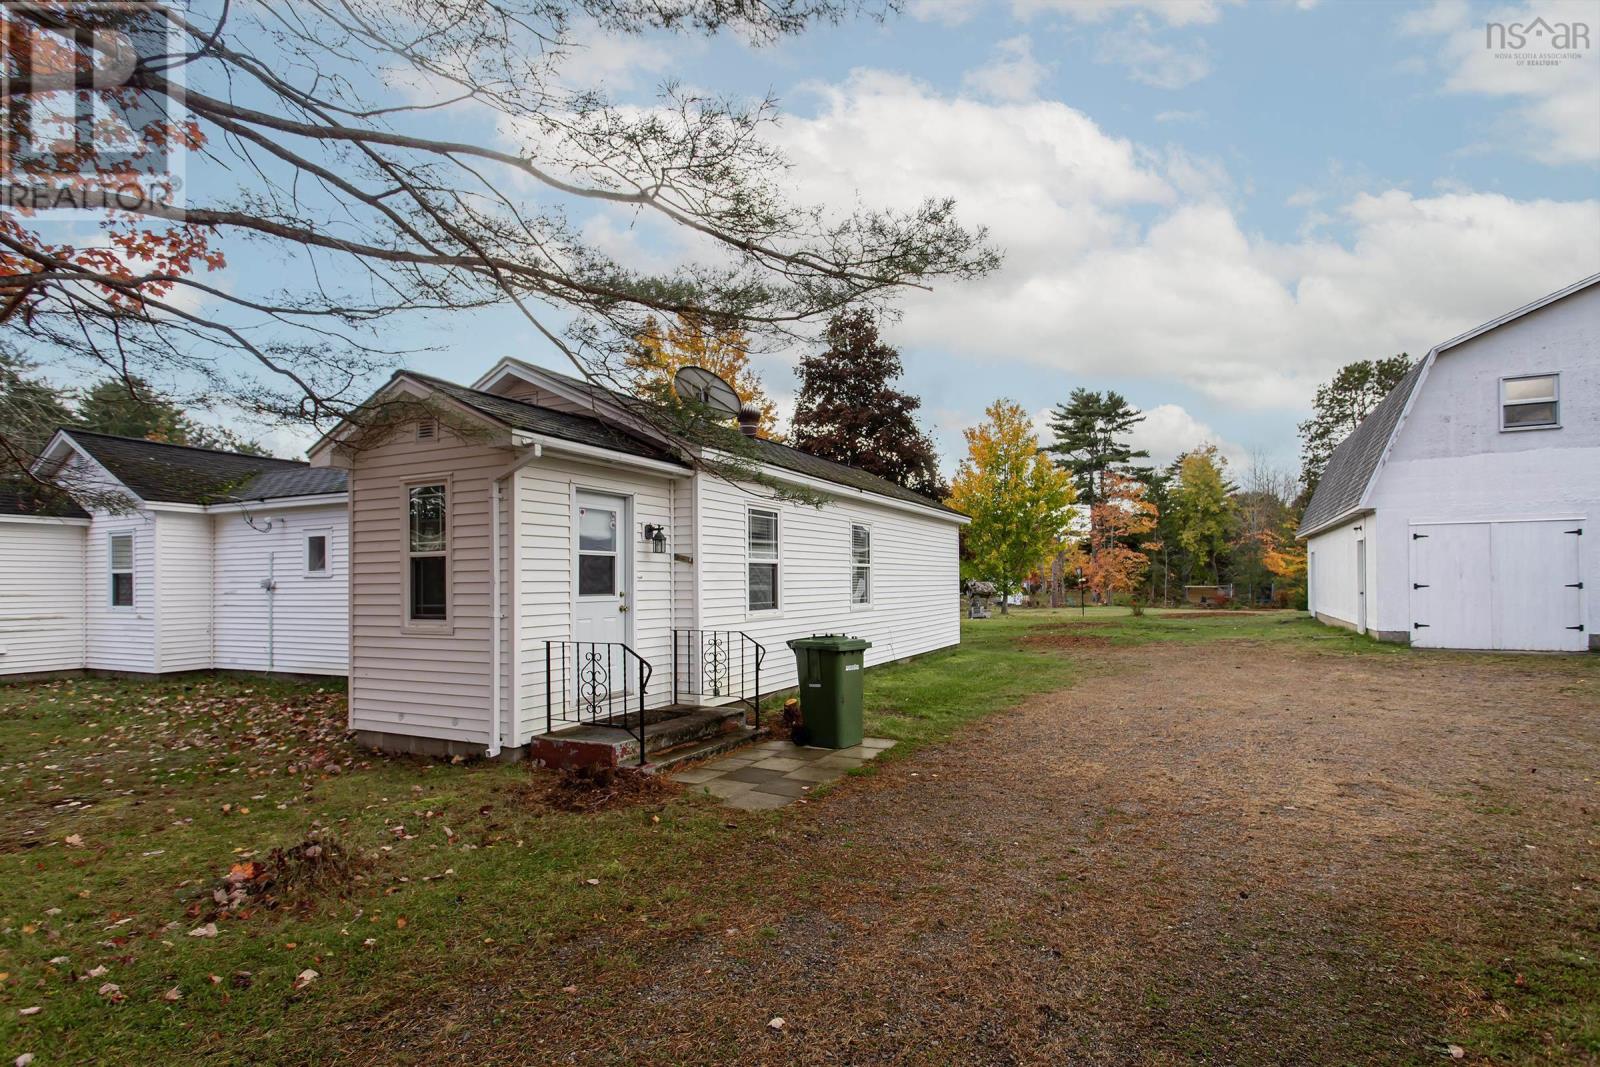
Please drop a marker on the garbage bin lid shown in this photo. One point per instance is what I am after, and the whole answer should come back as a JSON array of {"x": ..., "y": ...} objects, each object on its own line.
[{"x": 831, "y": 643}]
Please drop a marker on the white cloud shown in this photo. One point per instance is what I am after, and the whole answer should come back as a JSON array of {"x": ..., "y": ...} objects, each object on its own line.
[
  {"x": 946, "y": 12},
  {"x": 1011, "y": 73},
  {"x": 620, "y": 62},
  {"x": 1120, "y": 265},
  {"x": 1158, "y": 64},
  {"x": 1557, "y": 114},
  {"x": 1172, "y": 12},
  {"x": 1169, "y": 429}
]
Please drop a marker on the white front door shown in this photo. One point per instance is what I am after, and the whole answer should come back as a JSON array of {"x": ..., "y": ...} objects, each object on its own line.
[{"x": 603, "y": 573}]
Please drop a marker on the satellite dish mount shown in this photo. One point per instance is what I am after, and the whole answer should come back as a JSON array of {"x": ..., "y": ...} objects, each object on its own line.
[{"x": 699, "y": 386}]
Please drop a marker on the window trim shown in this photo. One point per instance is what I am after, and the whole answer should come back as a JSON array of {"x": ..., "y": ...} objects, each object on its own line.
[
  {"x": 855, "y": 565},
  {"x": 1554, "y": 398},
  {"x": 326, "y": 533},
  {"x": 131, "y": 572},
  {"x": 776, "y": 561},
  {"x": 408, "y": 624}
]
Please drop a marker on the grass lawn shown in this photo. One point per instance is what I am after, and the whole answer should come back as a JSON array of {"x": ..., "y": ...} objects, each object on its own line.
[{"x": 127, "y": 802}]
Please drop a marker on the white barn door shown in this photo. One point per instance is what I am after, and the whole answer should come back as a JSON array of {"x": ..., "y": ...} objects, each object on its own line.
[
  {"x": 1450, "y": 589},
  {"x": 1497, "y": 585}
]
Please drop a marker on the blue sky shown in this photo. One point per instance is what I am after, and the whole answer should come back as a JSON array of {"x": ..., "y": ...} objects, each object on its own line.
[{"x": 1207, "y": 205}]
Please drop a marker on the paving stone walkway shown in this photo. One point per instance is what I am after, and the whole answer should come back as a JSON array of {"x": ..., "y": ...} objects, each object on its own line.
[{"x": 774, "y": 773}]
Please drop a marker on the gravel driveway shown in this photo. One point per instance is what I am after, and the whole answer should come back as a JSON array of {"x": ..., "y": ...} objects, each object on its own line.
[{"x": 1226, "y": 852}]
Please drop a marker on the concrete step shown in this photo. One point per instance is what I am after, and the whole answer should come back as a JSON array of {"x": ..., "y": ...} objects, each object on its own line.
[
  {"x": 594, "y": 744},
  {"x": 667, "y": 758}
]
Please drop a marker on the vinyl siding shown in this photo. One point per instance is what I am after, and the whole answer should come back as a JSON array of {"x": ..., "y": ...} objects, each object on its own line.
[
  {"x": 916, "y": 604},
  {"x": 122, "y": 639},
  {"x": 301, "y": 627},
  {"x": 42, "y": 574},
  {"x": 544, "y": 508},
  {"x": 183, "y": 591},
  {"x": 402, "y": 679},
  {"x": 1334, "y": 589}
]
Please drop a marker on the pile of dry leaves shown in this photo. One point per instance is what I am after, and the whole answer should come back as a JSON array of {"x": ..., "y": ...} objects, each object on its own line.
[
  {"x": 587, "y": 789},
  {"x": 315, "y": 866}
]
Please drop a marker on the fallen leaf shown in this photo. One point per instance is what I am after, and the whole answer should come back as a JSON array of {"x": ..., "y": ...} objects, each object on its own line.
[
  {"x": 569, "y": 989},
  {"x": 776, "y": 1023},
  {"x": 112, "y": 992},
  {"x": 1457, "y": 1052},
  {"x": 593, "y": 881},
  {"x": 25, "y": 1012},
  {"x": 74, "y": 840},
  {"x": 208, "y": 930},
  {"x": 400, "y": 923},
  {"x": 305, "y": 978},
  {"x": 22, "y": 1060},
  {"x": 173, "y": 995},
  {"x": 96, "y": 972}
]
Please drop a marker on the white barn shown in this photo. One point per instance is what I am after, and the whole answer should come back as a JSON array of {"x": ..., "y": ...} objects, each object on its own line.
[
  {"x": 209, "y": 560},
  {"x": 536, "y": 561},
  {"x": 1464, "y": 512}
]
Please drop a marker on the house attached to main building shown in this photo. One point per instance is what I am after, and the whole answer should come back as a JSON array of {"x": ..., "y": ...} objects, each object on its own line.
[{"x": 537, "y": 556}]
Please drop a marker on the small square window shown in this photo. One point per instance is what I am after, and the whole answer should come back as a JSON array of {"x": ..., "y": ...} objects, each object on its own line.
[{"x": 1532, "y": 402}]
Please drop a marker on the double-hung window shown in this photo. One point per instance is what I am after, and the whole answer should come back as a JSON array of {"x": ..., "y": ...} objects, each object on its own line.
[
  {"x": 860, "y": 565},
  {"x": 1532, "y": 402},
  {"x": 428, "y": 550},
  {"x": 120, "y": 550},
  {"x": 762, "y": 554}
]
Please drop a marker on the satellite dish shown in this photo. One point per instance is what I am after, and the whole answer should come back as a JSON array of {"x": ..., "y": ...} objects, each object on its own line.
[{"x": 700, "y": 386}]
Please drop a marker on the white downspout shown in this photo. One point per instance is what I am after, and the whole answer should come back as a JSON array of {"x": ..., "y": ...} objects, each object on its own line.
[{"x": 496, "y": 618}]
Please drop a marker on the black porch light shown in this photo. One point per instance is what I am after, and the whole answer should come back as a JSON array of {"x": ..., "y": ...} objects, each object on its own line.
[{"x": 657, "y": 536}]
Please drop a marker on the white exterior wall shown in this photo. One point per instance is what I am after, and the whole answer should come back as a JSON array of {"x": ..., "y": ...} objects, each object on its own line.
[
  {"x": 42, "y": 575},
  {"x": 1334, "y": 591},
  {"x": 183, "y": 583},
  {"x": 916, "y": 597},
  {"x": 546, "y": 568},
  {"x": 421, "y": 680},
  {"x": 122, "y": 639},
  {"x": 302, "y": 626},
  {"x": 1452, "y": 463}
]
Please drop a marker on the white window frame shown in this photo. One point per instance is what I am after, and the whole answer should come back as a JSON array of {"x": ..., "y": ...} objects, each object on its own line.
[
  {"x": 776, "y": 561},
  {"x": 131, "y": 572},
  {"x": 326, "y": 533},
  {"x": 407, "y": 623},
  {"x": 1553, "y": 398},
  {"x": 856, "y": 565}
]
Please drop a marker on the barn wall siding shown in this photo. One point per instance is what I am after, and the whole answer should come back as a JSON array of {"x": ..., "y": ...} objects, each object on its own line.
[
  {"x": 183, "y": 583},
  {"x": 42, "y": 576}
]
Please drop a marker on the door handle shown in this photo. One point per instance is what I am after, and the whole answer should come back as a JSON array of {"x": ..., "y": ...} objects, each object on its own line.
[{"x": 622, "y": 608}]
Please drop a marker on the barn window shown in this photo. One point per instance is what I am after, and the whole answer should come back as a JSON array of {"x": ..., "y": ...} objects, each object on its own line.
[
  {"x": 121, "y": 554},
  {"x": 763, "y": 560},
  {"x": 428, "y": 548},
  {"x": 317, "y": 554},
  {"x": 860, "y": 565},
  {"x": 1530, "y": 403}
]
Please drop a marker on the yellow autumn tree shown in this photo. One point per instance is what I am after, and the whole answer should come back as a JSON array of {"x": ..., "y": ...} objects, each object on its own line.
[
  {"x": 691, "y": 341},
  {"x": 1019, "y": 501}
]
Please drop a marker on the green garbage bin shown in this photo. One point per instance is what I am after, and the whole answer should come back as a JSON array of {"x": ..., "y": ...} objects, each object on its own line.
[{"x": 830, "y": 688}]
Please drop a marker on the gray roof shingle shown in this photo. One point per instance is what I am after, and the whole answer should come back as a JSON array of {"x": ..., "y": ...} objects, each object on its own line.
[
  {"x": 157, "y": 472},
  {"x": 1350, "y": 468},
  {"x": 793, "y": 459},
  {"x": 18, "y": 497}
]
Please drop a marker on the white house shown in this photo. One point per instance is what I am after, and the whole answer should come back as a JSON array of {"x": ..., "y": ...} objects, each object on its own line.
[
  {"x": 538, "y": 560},
  {"x": 1464, "y": 512},
  {"x": 208, "y": 559}
]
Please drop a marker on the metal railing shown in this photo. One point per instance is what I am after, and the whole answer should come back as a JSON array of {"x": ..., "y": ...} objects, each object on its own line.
[
  {"x": 600, "y": 683},
  {"x": 717, "y": 666}
]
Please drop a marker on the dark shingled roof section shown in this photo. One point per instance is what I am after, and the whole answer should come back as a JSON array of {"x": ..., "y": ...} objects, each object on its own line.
[
  {"x": 26, "y": 498},
  {"x": 793, "y": 459},
  {"x": 580, "y": 429},
  {"x": 1352, "y": 463},
  {"x": 181, "y": 474}
]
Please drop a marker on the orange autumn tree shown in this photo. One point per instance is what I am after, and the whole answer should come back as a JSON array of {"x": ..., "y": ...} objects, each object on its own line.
[
  {"x": 692, "y": 341},
  {"x": 1120, "y": 524},
  {"x": 1285, "y": 558}
]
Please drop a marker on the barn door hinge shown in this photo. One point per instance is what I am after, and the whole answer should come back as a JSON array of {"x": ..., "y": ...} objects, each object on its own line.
[
  {"x": 1578, "y": 531},
  {"x": 1575, "y": 585},
  {"x": 1418, "y": 537},
  {"x": 1419, "y": 585},
  {"x": 1578, "y": 627},
  {"x": 1419, "y": 626}
]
